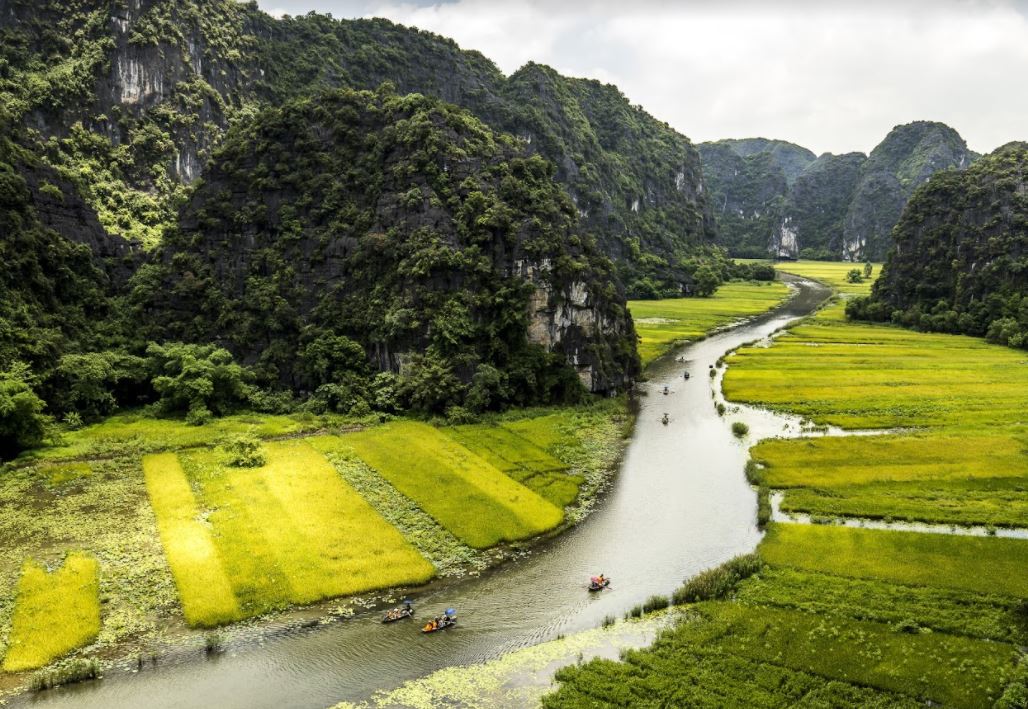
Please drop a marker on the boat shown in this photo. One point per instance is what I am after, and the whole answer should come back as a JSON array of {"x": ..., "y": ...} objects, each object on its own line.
[
  {"x": 598, "y": 583},
  {"x": 666, "y": 391},
  {"x": 399, "y": 613},
  {"x": 685, "y": 375},
  {"x": 446, "y": 620},
  {"x": 665, "y": 419}
]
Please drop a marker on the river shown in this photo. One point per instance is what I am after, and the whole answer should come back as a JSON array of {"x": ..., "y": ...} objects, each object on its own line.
[{"x": 680, "y": 504}]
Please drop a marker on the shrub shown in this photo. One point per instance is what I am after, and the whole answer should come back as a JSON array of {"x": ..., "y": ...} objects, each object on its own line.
[
  {"x": 246, "y": 451},
  {"x": 717, "y": 583},
  {"x": 763, "y": 507},
  {"x": 907, "y": 625},
  {"x": 22, "y": 422},
  {"x": 854, "y": 276},
  {"x": 78, "y": 670},
  {"x": 753, "y": 475},
  {"x": 720, "y": 409},
  {"x": 655, "y": 603},
  {"x": 739, "y": 429}
]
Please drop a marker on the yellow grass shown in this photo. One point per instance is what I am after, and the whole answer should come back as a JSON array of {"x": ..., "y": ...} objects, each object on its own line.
[
  {"x": 204, "y": 589},
  {"x": 55, "y": 612},
  {"x": 460, "y": 490}
]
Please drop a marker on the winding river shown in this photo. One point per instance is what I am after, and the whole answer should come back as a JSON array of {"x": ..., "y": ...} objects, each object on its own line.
[{"x": 680, "y": 504}]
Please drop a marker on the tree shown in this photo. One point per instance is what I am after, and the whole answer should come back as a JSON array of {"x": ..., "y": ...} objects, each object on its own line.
[
  {"x": 427, "y": 383},
  {"x": 22, "y": 422},
  {"x": 868, "y": 269},
  {"x": 707, "y": 281},
  {"x": 202, "y": 380}
]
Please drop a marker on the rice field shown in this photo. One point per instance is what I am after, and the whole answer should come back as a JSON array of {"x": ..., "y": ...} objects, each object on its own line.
[
  {"x": 977, "y": 564},
  {"x": 204, "y": 588},
  {"x": 520, "y": 459},
  {"x": 463, "y": 492},
  {"x": 833, "y": 273},
  {"x": 291, "y": 531},
  {"x": 663, "y": 324},
  {"x": 55, "y": 612}
]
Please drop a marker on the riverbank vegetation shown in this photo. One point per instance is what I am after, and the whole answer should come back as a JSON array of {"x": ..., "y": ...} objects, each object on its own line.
[
  {"x": 183, "y": 533},
  {"x": 664, "y": 324}
]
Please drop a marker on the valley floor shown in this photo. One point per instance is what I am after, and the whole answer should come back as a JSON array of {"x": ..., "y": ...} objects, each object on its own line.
[
  {"x": 137, "y": 532},
  {"x": 827, "y": 615}
]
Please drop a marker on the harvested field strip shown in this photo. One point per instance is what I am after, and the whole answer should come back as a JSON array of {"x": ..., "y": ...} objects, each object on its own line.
[
  {"x": 54, "y": 613},
  {"x": 838, "y": 461},
  {"x": 662, "y": 324},
  {"x": 984, "y": 565},
  {"x": 204, "y": 589},
  {"x": 940, "y": 609},
  {"x": 463, "y": 492},
  {"x": 955, "y": 671}
]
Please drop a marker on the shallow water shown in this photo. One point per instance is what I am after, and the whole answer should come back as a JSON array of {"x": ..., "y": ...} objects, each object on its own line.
[
  {"x": 777, "y": 515},
  {"x": 680, "y": 504}
]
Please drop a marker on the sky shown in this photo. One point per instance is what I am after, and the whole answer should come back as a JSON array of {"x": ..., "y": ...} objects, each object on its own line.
[{"x": 831, "y": 76}]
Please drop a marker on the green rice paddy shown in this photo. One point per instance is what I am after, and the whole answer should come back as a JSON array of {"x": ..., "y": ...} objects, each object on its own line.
[
  {"x": 467, "y": 495},
  {"x": 663, "y": 324}
]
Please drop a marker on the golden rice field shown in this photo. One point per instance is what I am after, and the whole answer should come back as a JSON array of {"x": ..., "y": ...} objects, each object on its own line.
[
  {"x": 663, "y": 324},
  {"x": 834, "y": 273},
  {"x": 54, "y": 613},
  {"x": 290, "y": 531},
  {"x": 463, "y": 492},
  {"x": 180, "y": 534}
]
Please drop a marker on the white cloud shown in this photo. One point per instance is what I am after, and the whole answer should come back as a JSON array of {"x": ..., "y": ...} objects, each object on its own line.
[{"x": 829, "y": 76}]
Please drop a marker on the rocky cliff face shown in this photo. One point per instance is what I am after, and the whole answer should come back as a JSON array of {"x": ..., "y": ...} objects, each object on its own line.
[
  {"x": 960, "y": 261},
  {"x": 747, "y": 193},
  {"x": 145, "y": 90},
  {"x": 834, "y": 207},
  {"x": 402, "y": 223}
]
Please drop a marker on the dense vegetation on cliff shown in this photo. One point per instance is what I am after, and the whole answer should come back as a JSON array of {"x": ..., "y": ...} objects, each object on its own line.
[
  {"x": 130, "y": 101},
  {"x": 400, "y": 226},
  {"x": 960, "y": 263},
  {"x": 772, "y": 197}
]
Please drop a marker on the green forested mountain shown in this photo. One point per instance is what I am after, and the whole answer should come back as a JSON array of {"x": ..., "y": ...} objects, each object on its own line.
[
  {"x": 402, "y": 224},
  {"x": 129, "y": 99},
  {"x": 160, "y": 186},
  {"x": 834, "y": 207},
  {"x": 960, "y": 261}
]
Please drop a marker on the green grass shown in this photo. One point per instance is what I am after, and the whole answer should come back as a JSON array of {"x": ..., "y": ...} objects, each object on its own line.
[
  {"x": 135, "y": 432},
  {"x": 521, "y": 459},
  {"x": 204, "y": 588},
  {"x": 952, "y": 670},
  {"x": 942, "y": 610},
  {"x": 464, "y": 493},
  {"x": 291, "y": 531},
  {"x": 55, "y": 612},
  {"x": 662, "y": 324},
  {"x": 978, "y": 564}
]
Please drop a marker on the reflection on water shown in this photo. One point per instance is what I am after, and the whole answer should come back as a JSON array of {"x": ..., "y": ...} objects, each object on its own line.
[{"x": 680, "y": 505}]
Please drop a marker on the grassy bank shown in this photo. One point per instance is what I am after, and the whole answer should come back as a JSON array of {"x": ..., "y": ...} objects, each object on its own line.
[
  {"x": 663, "y": 324},
  {"x": 183, "y": 539}
]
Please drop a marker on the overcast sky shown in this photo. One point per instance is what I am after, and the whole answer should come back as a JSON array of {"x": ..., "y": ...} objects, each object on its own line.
[{"x": 828, "y": 75}]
